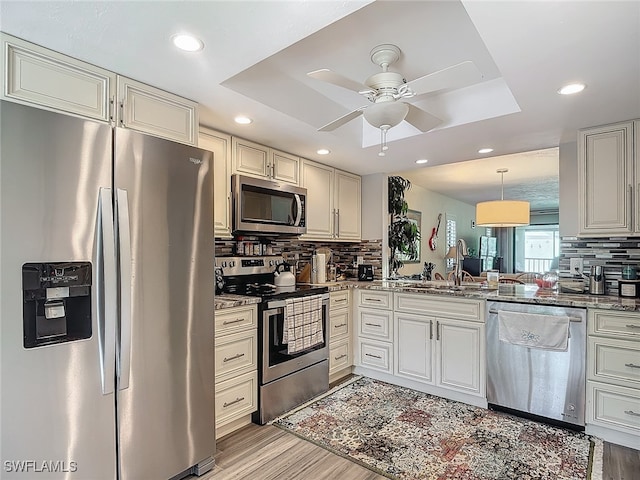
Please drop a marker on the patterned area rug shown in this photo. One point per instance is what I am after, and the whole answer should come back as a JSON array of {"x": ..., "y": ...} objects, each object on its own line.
[{"x": 404, "y": 434}]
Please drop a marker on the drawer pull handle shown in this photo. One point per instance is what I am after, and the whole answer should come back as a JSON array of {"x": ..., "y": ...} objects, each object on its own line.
[
  {"x": 633, "y": 326},
  {"x": 237, "y": 320},
  {"x": 340, "y": 325},
  {"x": 631, "y": 412},
  {"x": 374, "y": 356},
  {"x": 237, "y": 400},
  {"x": 631, "y": 365},
  {"x": 236, "y": 356},
  {"x": 372, "y": 324},
  {"x": 340, "y": 300},
  {"x": 340, "y": 357},
  {"x": 372, "y": 300}
]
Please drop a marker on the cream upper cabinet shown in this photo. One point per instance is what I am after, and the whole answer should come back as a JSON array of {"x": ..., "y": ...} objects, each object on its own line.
[
  {"x": 347, "y": 204},
  {"x": 220, "y": 145},
  {"x": 608, "y": 180},
  {"x": 333, "y": 203},
  {"x": 156, "y": 112},
  {"x": 257, "y": 160},
  {"x": 318, "y": 180},
  {"x": 45, "y": 79}
]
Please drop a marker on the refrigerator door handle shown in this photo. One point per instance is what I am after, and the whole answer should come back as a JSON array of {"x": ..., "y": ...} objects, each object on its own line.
[
  {"x": 124, "y": 245},
  {"x": 107, "y": 305}
]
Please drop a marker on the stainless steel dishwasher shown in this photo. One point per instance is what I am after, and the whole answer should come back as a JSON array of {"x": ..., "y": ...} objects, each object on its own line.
[{"x": 549, "y": 384}]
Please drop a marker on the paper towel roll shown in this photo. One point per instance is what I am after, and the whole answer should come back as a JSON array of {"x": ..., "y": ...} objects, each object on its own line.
[{"x": 321, "y": 265}]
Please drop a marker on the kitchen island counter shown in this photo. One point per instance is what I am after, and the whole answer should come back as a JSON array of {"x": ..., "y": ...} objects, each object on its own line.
[{"x": 505, "y": 293}]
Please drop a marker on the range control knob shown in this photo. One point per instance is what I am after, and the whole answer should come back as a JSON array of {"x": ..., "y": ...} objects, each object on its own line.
[{"x": 232, "y": 263}]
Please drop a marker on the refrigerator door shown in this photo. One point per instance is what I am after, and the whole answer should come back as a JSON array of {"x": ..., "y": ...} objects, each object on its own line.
[
  {"x": 165, "y": 397},
  {"x": 56, "y": 421}
]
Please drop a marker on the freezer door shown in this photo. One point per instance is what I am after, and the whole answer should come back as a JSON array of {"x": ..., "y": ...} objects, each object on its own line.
[
  {"x": 165, "y": 397},
  {"x": 56, "y": 421}
]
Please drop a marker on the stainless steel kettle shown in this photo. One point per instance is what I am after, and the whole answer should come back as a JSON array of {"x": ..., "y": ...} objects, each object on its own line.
[{"x": 596, "y": 280}]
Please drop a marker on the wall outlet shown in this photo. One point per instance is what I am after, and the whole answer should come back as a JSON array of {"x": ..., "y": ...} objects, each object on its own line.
[
  {"x": 360, "y": 260},
  {"x": 576, "y": 263}
]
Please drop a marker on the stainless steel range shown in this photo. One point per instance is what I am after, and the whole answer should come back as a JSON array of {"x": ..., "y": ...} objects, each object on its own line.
[{"x": 293, "y": 351}]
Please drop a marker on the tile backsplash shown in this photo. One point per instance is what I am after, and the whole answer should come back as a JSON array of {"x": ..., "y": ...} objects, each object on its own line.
[
  {"x": 612, "y": 253},
  {"x": 343, "y": 253}
]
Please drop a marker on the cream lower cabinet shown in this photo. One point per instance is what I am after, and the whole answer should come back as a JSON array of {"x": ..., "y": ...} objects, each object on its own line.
[
  {"x": 340, "y": 343},
  {"x": 333, "y": 203},
  {"x": 613, "y": 376},
  {"x": 220, "y": 145},
  {"x": 236, "y": 363},
  {"x": 45, "y": 79},
  {"x": 430, "y": 343}
]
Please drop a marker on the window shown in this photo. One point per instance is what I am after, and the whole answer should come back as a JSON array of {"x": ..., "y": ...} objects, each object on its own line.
[
  {"x": 452, "y": 238},
  {"x": 537, "y": 248}
]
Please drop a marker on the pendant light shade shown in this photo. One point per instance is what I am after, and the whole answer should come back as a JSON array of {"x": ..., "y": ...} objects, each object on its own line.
[{"x": 502, "y": 213}]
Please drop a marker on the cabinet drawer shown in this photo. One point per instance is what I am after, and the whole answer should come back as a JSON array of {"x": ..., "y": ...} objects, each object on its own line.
[
  {"x": 339, "y": 299},
  {"x": 613, "y": 407},
  {"x": 236, "y": 397},
  {"x": 235, "y": 354},
  {"x": 625, "y": 325},
  {"x": 339, "y": 321},
  {"x": 235, "y": 319},
  {"x": 440, "y": 306},
  {"x": 376, "y": 298},
  {"x": 339, "y": 355},
  {"x": 376, "y": 355},
  {"x": 616, "y": 361},
  {"x": 375, "y": 323}
]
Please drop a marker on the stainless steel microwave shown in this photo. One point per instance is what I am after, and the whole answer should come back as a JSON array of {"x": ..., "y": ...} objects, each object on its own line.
[{"x": 267, "y": 207}]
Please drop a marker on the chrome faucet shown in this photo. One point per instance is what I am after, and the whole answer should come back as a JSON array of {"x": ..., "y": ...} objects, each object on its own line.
[{"x": 461, "y": 251}]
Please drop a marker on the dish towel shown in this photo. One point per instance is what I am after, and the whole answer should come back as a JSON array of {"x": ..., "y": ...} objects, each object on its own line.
[
  {"x": 302, "y": 323},
  {"x": 547, "y": 332}
]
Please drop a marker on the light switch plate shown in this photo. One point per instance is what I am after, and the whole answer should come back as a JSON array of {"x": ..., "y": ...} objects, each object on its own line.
[{"x": 576, "y": 263}]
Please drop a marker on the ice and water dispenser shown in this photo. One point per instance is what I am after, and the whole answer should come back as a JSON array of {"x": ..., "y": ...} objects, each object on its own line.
[{"x": 56, "y": 302}]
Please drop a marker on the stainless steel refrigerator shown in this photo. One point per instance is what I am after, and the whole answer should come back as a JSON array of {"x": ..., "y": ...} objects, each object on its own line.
[{"x": 106, "y": 301}]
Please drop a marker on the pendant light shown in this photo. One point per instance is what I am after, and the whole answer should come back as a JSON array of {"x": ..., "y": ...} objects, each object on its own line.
[{"x": 502, "y": 213}]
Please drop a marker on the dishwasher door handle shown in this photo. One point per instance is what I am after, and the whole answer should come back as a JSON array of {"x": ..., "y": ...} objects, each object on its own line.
[{"x": 495, "y": 312}]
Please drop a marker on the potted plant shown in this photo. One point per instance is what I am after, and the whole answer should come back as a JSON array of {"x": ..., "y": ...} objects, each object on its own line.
[{"x": 403, "y": 233}]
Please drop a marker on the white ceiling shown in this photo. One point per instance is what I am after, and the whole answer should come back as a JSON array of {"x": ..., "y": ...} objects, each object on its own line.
[{"x": 257, "y": 54}]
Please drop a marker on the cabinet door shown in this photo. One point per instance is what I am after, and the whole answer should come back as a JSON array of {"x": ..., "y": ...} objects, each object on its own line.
[
  {"x": 250, "y": 158},
  {"x": 220, "y": 145},
  {"x": 42, "y": 78},
  {"x": 318, "y": 180},
  {"x": 605, "y": 165},
  {"x": 636, "y": 163},
  {"x": 285, "y": 167},
  {"x": 460, "y": 355},
  {"x": 413, "y": 351},
  {"x": 347, "y": 204},
  {"x": 156, "y": 112}
]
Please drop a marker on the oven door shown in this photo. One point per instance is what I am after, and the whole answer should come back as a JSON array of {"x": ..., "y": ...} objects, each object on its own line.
[
  {"x": 276, "y": 362},
  {"x": 267, "y": 207}
]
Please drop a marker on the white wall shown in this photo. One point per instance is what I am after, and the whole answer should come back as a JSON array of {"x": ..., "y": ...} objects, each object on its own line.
[{"x": 431, "y": 204}]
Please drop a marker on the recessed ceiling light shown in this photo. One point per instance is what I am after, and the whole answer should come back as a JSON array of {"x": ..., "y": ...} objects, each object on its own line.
[
  {"x": 323, "y": 151},
  {"x": 421, "y": 161},
  {"x": 572, "y": 88},
  {"x": 485, "y": 150},
  {"x": 242, "y": 120},
  {"x": 188, "y": 43}
]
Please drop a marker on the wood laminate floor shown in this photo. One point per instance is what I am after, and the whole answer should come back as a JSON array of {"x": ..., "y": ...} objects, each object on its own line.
[{"x": 269, "y": 453}]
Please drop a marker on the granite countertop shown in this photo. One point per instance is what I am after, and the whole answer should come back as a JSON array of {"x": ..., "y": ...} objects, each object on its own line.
[{"x": 505, "y": 293}]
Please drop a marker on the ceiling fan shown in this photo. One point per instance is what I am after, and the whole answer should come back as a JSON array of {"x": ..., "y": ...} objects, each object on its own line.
[{"x": 387, "y": 91}]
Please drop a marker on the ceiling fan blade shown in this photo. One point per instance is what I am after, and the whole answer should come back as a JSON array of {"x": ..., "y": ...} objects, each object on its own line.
[
  {"x": 329, "y": 127},
  {"x": 451, "y": 78},
  {"x": 422, "y": 120},
  {"x": 326, "y": 75}
]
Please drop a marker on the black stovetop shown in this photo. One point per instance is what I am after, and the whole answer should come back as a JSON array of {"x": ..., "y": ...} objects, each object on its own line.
[{"x": 267, "y": 291}]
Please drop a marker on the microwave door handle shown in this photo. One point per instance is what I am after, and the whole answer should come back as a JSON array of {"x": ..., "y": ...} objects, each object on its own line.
[{"x": 298, "y": 210}]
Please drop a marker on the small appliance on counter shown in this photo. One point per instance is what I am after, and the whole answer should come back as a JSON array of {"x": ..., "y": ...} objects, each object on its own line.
[
  {"x": 365, "y": 273},
  {"x": 629, "y": 288}
]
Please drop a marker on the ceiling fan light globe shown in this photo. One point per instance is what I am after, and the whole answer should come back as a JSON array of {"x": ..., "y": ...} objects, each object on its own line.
[{"x": 386, "y": 114}]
